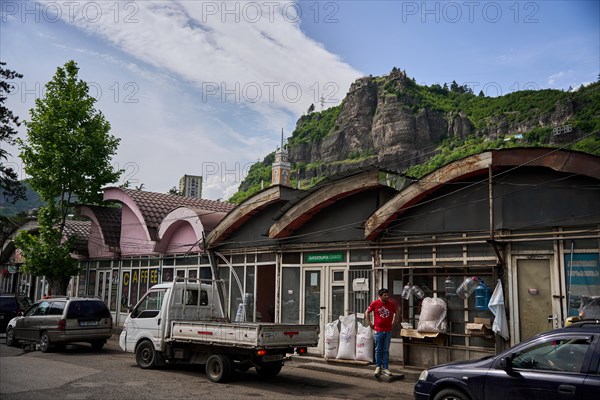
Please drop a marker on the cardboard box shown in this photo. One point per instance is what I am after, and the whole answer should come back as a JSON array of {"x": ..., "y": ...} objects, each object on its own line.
[
  {"x": 419, "y": 335},
  {"x": 479, "y": 327}
]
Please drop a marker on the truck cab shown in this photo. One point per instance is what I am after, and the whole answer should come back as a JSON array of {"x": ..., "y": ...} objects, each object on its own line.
[{"x": 148, "y": 320}]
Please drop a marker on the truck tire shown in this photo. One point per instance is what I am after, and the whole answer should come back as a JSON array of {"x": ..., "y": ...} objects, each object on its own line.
[
  {"x": 219, "y": 368},
  {"x": 269, "y": 370},
  {"x": 145, "y": 355}
]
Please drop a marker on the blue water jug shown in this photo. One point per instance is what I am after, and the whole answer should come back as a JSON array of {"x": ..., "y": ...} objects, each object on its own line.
[{"x": 482, "y": 296}]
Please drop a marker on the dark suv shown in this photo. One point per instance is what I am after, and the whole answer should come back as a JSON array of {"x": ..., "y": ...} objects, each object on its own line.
[
  {"x": 57, "y": 321},
  {"x": 10, "y": 306},
  {"x": 559, "y": 364}
]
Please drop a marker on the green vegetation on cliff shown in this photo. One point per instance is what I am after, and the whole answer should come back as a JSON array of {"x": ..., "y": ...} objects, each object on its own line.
[
  {"x": 314, "y": 126},
  {"x": 535, "y": 112}
]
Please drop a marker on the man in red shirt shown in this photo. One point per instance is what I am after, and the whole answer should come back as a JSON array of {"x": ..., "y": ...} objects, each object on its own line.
[{"x": 385, "y": 315}]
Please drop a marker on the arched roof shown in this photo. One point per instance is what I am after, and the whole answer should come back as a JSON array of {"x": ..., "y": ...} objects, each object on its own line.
[
  {"x": 151, "y": 208},
  {"x": 200, "y": 221},
  {"x": 243, "y": 212},
  {"x": 479, "y": 164},
  {"x": 326, "y": 194},
  {"x": 108, "y": 220}
]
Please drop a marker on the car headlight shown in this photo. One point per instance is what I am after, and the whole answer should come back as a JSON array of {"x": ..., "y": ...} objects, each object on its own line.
[{"x": 423, "y": 375}]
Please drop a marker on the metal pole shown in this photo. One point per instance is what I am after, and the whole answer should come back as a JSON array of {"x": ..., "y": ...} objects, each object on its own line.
[{"x": 570, "y": 279}]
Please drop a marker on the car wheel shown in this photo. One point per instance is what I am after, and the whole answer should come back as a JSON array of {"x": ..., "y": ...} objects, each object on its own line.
[
  {"x": 269, "y": 370},
  {"x": 44, "y": 342},
  {"x": 451, "y": 394},
  {"x": 97, "y": 346},
  {"x": 219, "y": 368},
  {"x": 10, "y": 337},
  {"x": 145, "y": 355}
]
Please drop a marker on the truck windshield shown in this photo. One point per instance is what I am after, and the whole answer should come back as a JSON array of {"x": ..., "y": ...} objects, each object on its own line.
[{"x": 152, "y": 301}]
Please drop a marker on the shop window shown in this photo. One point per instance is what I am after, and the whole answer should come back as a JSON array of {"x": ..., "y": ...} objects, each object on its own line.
[
  {"x": 265, "y": 257},
  {"x": 205, "y": 273},
  {"x": 290, "y": 295},
  {"x": 581, "y": 273},
  {"x": 114, "y": 286},
  {"x": 189, "y": 260},
  {"x": 434, "y": 282},
  {"x": 169, "y": 261},
  {"x": 291, "y": 258},
  {"x": 167, "y": 275},
  {"x": 360, "y": 255}
]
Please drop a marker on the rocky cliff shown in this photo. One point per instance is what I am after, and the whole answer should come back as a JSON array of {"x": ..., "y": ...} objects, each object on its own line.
[
  {"x": 391, "y": 120},
  {"x": 394, "y": 123}
]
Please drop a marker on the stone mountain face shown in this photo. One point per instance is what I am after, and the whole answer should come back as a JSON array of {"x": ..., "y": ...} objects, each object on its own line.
[{"x": 382, "y": 122}]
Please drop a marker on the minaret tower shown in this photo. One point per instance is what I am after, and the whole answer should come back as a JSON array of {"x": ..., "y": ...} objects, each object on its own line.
[{"x": 280, "y": 172}]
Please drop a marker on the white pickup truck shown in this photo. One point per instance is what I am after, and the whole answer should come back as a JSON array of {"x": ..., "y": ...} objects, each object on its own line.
[{"x": 183, "y": 322}]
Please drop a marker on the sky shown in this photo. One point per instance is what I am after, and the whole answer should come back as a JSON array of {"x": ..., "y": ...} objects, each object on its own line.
[{"x": 207, "y": 87}]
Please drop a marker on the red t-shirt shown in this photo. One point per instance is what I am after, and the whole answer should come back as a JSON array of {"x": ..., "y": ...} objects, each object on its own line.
[{"x": 383, "y": 314}]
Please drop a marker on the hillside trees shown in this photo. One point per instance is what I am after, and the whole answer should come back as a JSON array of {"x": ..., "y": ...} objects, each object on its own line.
[
  {"x": 10, "y": 188},
  {"x": 67, "y": 154}
]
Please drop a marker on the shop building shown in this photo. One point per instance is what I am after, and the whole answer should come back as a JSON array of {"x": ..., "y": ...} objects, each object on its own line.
[{"x": 528, "y": 218}]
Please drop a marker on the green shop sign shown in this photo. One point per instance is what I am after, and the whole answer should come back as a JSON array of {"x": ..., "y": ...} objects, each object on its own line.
[{"x": 324, "y": 257}]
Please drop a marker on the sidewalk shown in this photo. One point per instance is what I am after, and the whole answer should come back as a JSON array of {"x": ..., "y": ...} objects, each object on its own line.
[{"x": 359, "y": 369}]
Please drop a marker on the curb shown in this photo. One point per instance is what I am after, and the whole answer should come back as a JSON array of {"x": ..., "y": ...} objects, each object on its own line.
[{"x": 359, "y": 369}]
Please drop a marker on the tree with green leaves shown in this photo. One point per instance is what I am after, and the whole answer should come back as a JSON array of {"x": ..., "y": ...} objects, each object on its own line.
[
  {"x": 11, "y": 189},
  {"x": 67, "y": 155}
]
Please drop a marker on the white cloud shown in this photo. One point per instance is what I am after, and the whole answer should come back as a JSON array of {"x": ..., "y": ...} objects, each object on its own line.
[
  {"x": 558, "y": 79},
  {"x": 214, "y": 84},
  {"x": 256, "y": 58}
]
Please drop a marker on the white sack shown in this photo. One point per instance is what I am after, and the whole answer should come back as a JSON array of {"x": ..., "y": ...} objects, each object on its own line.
[
  {"x": 496, "y": 306},
  {"x": 332, "y": 339},
  {"x": 433, "y": 315},
  {"x": 364, "y": 343},
  {"x": 347, "y": 349}
]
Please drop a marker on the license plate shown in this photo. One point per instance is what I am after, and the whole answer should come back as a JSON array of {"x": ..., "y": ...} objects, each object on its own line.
[
  {"x": 273, "y": 357},
  {"x": 88, "y": 323}
]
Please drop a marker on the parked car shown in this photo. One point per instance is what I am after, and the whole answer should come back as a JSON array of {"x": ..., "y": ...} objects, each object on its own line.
[
  {"x": 10, "y": 306},
  {"x": 57, "y": 321},
  {"x": 560, "y": 364}
]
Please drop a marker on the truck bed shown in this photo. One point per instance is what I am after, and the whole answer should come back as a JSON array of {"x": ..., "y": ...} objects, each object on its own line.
[{"x": 245, "y": 334}]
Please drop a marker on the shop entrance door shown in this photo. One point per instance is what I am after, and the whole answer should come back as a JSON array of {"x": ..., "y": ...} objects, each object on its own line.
[
  {"x": 534, "y": 297},
  {"x": 325, "y": 297},
  {"x": 338, "y": 302},
  {"x": 314, "y": 302}
]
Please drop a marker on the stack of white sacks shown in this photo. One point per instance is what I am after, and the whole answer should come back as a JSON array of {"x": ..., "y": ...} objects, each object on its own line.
[{"x": 347, "y": 340}]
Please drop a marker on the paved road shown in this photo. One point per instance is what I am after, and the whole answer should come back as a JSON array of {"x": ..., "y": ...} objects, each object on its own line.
[{"x": 80, "y": 373}]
